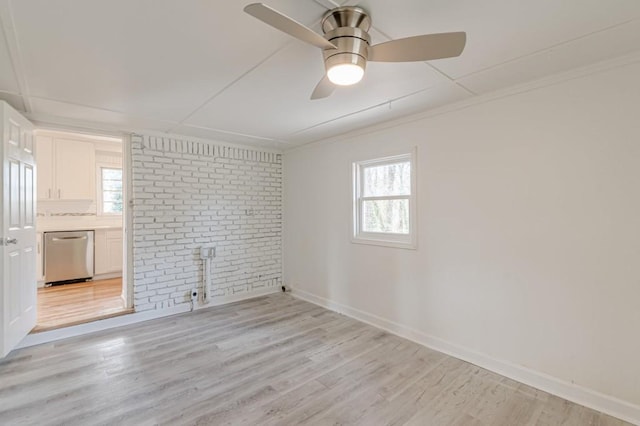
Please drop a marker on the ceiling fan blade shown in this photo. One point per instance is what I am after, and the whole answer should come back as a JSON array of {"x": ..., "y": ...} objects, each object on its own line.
[
  {"x": 323, "y": 89},
  {"x": 285, "y": 24},
  {"x": 419, "y": 48}
]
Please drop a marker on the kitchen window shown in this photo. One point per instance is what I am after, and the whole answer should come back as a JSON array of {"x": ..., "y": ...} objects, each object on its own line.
[
  {"x": 110, "y": 190},
  {"x": 384, "y": 201}
]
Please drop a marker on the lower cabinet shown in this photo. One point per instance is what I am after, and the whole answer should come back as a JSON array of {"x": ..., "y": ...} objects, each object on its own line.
[{"x": 108, "y": 251}]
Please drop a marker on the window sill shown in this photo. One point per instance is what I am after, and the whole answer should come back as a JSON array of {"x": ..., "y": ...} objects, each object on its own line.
[{"x": 385, "y": 243}]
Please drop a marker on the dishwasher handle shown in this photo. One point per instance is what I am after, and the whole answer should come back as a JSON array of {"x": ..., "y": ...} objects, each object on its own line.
[{"x": 84, "y": 237}]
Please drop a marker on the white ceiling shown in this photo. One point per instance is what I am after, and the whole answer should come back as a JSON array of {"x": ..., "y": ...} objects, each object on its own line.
[{"x": 206, "y": 69}]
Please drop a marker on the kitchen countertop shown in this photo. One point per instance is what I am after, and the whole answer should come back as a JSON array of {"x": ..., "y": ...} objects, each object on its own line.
[{"x": 62, "y": 227}]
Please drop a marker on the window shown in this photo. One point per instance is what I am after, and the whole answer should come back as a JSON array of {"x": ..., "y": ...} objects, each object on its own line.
[
  {"x": 111, "y": 190},
  {"x": 384, "y": 201}
]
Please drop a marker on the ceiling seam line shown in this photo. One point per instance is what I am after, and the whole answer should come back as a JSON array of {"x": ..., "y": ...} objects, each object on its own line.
[
  {"x": 536, "y": 52},
  {"x": 250, "y": 70},
  {"x": 230, "y": 132},
  {"x": 455, "y": 79},
  {"x": 70, "y": 124},
  {"x": 387, "y": 102},
  {"x": 10, "y": 92},
  {"x": 463, "y": 87},
  {"x": 219, "y": 92},
  {"x": 169, "y": 124},
  {"x": 114, "y": 111},
  {"x": 326, "y": 3},
  {"x": 434, "y": 68}
]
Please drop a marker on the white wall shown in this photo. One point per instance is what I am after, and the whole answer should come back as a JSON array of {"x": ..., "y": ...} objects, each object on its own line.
[
  {"x": 187, "y": 194},
  {"x": 529, "y": 231}
]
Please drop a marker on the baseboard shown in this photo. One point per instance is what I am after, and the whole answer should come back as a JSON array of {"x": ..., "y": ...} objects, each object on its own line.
[
  {"x": 133, "y": 318},
  {"x": 572, "y": 392}
]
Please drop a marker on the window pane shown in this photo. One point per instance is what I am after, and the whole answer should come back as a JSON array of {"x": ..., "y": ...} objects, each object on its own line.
[
  {"x": 112, "y": 185},
  {"x": 390, "y": 216},
  {"x": 112, "y": 207},
  {"x": 389, "y": 179},
  {"x": 112, "y": 196},
  {"x": 111, "y": 190},
  {"x": 112, "y": 174}
]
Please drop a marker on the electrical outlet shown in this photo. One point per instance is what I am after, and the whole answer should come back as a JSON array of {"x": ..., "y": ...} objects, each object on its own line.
[
  {"x": 207, "y": 252},
  {"x": 194, "y": 294},
  {"x": 204, "y": 252}
]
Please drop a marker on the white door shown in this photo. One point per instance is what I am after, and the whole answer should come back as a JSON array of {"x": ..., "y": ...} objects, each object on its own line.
[{"x": 18, "y": 295}]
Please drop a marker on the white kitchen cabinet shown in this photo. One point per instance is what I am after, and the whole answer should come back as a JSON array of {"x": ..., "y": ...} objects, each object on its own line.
[
  {"x": 66, "y": 169},
  {"x": 44, "y": 163},
  {"x": 114, "y": 250},
  {"x": 108, "y": 251},
  {"x": 75, "y": 170}
]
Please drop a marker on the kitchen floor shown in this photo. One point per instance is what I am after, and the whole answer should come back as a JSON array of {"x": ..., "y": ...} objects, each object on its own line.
[{"x": 72, "y": 304}]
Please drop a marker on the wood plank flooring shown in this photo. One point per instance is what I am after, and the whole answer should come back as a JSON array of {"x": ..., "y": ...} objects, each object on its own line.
[
  {"x": 273, "y": 360},
  {"x": 71, "y": 304}
]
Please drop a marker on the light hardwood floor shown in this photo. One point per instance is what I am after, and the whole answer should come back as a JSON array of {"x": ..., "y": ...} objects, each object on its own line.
[
  {"x": 273, "y": 360},
  {"x": 71, "y": 304}
]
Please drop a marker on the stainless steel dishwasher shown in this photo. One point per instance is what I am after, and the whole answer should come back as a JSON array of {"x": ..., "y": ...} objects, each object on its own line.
[{"x": 68, "y": 256}]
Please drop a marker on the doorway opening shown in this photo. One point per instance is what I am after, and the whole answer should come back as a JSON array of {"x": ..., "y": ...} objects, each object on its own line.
[{"x": 81, "y": 246}]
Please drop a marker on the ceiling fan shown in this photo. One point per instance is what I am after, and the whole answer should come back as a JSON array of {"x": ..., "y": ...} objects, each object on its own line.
[{"x": 346, "y": 45}]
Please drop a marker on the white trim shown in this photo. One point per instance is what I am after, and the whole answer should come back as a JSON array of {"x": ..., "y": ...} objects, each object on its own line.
[
  {"x": 97, "y": 136},
  {"x": 283, "y": 218},
  {"x": 371, "y": 241},
  {"x": 134, "y": 318},
  {"x": 50, "y": 122},
  {"x": 589, "y": 398},
  {"x": 385, "y": 197},
  {"x": 127, "y": 223}
]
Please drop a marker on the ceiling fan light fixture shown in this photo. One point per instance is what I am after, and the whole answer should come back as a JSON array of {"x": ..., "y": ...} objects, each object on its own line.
[
  {"x": 345, "y": 69},
  {"x": 345, "y": 74}
]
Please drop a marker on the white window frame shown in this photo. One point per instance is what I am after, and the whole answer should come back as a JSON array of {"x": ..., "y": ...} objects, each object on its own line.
[
  {"x": 406, "y": 241},
  {"x": 99, "y": 192}
]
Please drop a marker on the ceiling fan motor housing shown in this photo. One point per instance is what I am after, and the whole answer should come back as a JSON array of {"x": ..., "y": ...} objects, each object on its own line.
[{"x": 346, "y": 27}]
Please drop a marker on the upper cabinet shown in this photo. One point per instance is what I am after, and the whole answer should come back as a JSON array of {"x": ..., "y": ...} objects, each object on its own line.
[
  {"x": 75, "y": 170},
  {"x": 66, "y": 169},
  {"x": 44, "y": 167}
]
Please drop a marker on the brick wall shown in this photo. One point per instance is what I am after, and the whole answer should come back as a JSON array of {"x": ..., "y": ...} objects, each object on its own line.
[{"x": 187, "y": 194}]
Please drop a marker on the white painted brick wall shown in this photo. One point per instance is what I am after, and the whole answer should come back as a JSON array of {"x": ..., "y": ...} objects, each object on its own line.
[{"x": 188, "y": 193}]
